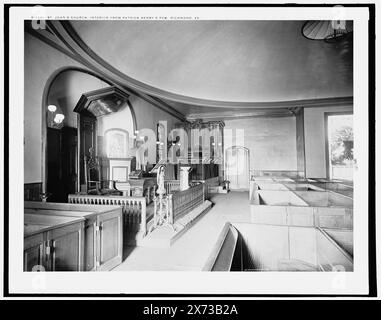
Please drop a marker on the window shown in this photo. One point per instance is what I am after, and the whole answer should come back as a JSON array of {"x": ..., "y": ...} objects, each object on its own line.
[{"x": 340, "y": 141}]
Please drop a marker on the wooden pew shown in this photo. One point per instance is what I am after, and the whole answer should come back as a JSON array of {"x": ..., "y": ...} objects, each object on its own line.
[
  {"x": 103, "y": 230},
  {"x": 53, "y": 243}
]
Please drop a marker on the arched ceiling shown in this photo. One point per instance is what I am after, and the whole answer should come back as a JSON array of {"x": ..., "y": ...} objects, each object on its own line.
[{"x": 230, "y": 61}]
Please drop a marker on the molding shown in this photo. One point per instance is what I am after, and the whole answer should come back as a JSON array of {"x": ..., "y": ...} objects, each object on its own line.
[
  {"x": 78, "y": 50},
  {"x": 232, "y": 115}
]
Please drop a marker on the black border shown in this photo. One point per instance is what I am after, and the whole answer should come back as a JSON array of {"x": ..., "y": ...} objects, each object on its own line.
[{"x": 371, "y": 178}]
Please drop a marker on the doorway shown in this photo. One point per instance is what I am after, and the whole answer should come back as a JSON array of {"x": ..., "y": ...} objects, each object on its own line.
[
  {"x": 62, "y": 163},
  {"x": 237, "y": 168},
  {"x": 340, "y": 145}
]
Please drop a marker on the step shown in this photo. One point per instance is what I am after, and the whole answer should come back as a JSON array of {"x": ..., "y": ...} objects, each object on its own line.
[{"x": 165, "y": 236}]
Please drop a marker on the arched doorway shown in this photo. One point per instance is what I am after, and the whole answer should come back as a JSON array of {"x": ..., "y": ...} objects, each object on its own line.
[
  {"x": 237, "y": 167},
  {"x": 62, "y": 169}
]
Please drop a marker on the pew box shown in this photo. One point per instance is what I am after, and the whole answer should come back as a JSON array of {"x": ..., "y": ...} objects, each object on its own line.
[
  {"x": 259, "y": 247},
  {"x": 103, "y": 230},
  {"x": 302, "y": 208},
  {"x": 53, "y": 243}
]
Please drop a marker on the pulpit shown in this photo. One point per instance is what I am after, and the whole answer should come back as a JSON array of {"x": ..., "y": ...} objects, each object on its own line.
[{"x": 120, "y": 169}]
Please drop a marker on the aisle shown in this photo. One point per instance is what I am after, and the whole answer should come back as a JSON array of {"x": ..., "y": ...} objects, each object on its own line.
[{"x": 191, "y": 251}]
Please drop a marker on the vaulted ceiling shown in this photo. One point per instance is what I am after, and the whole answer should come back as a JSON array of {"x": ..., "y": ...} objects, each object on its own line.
[{"x": 198, "y": 67}]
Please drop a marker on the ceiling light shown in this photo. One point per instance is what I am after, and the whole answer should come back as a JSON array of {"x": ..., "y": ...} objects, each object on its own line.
[{"x": 328, "y": 30}]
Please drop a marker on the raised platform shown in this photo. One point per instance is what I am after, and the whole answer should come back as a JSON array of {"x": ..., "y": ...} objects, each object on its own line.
[{"x": 165, "y": 236}]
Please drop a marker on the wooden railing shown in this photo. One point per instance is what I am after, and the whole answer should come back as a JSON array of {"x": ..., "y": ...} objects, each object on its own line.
[
  {"x": 171, "y": 186},
  {"x": 182, "y": 202},
  {"x": 174, "y": 185},
  {"x": 134, "y": 208}
]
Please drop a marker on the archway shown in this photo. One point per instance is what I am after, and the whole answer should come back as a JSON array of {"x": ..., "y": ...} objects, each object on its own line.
[
  {"x": 63, "y": 90},
  {"x": 237, "y": 167}
]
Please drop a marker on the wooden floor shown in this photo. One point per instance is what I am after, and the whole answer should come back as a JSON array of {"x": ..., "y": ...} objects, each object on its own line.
[{"x": 191, "y": 251}]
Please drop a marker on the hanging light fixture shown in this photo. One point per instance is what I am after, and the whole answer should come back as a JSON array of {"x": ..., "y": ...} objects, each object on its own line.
[{"x": 330, "y": 31}]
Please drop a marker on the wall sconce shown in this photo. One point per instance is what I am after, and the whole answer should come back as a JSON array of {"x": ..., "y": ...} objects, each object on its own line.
[
  {"x": 59, "y": 117},
  {"x": 55, "y": 118},
  {"x": 52, "y": 108},
  {"x": 136, "y": 134}
]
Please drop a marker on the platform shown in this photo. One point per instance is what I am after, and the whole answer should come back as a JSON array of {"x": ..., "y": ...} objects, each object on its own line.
[{"x": 165, "y": 236}]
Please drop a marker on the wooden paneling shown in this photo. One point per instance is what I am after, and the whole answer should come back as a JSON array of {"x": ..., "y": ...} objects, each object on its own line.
[
  {"x": 33, "y": 252},
  {"x": 110, "y": 240},
  {"x": 67, "y": 248}
]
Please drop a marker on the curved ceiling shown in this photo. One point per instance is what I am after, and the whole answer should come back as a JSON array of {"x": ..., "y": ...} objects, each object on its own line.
[{"x": 232, "y": 61}]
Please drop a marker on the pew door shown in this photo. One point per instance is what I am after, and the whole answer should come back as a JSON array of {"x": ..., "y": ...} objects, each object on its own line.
[
  {"x": 110, "y": 240},
  {"x": 66, "y": 247},
  {"x": 34, "y": 253},
  {"x": 237, "y": 167}
]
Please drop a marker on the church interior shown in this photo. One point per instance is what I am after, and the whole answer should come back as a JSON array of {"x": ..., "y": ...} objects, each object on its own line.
[{"x": 209, "y": 145}]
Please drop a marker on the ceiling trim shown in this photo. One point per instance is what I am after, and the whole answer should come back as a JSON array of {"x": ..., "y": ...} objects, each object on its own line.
[
  {"x": 67, "y": 50},
  {"x": 68, "y": 35},
  {"x": 233, "y": 115}
]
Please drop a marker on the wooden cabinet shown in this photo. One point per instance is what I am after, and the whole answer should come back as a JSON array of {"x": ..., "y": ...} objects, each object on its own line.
[
  {"x": 103, "y": 233},
  {"x": 53, "y": 243}
]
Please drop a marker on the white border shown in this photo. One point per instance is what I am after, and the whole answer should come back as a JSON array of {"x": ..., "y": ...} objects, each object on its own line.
[{"x": 190, "y": 282}]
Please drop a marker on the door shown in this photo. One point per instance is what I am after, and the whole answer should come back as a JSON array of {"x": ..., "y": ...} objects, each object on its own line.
[
  {"x": 62, "y": 169},
  {"x": 237, "y": 168},
  {"x": 54, "y": 185},
  {"x": 67, "y": 247},
  {"x": 110, "y": 240},
  {"x": 69, "y": 160}
]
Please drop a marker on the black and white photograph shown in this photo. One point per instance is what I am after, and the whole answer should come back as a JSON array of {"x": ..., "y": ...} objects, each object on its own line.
[{"x": 190, "y": 150}]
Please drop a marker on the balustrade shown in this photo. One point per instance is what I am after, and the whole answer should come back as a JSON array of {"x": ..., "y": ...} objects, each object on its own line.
[{"x": 134, "y": 208}]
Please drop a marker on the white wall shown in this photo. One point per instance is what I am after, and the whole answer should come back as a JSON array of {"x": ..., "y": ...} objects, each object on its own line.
[
  {"x": 314, "y": 135},
  {"x": 148, "y": 116},
  {"x": 271, "y": 141},
  {"x": 40, "y": 62}
]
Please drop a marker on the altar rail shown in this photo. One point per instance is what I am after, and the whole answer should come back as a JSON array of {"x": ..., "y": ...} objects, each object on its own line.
[
  {"x": 182, "y": 202},
  {"x": 134, "y": 208},
  {"x": 174, "y": 185}
]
